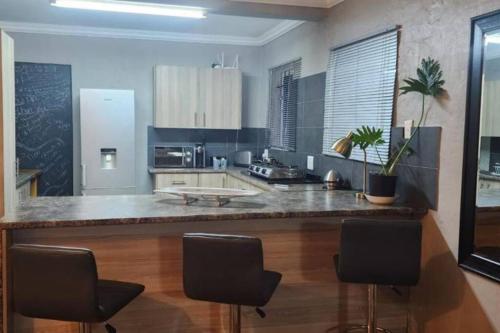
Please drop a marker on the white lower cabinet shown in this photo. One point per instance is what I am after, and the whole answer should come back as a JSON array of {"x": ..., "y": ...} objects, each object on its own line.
[
  {"x": 23, "y": 192},
  {"x": 176, "y": 180},
  {"x": 214, "y": 180},
  {"x": 233, "y": 182}
]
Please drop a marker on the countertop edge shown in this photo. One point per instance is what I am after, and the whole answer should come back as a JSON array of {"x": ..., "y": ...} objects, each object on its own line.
[{"x": 44, "y": 224}]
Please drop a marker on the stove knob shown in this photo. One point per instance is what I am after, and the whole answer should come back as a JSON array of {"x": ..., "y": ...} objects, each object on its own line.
[
  {"x": 264, "y": 171},
  {"x": 257, "y": 169}
]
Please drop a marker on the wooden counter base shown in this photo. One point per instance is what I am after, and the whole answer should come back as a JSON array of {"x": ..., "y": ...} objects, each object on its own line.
[{"x": 309, "y": 299}]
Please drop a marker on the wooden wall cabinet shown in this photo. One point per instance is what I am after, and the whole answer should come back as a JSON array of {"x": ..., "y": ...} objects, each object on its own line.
[{"x": 189, "y": 97}]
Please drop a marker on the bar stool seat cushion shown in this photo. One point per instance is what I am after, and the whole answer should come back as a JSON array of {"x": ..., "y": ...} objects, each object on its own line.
[{"x": 115, "y": 295}]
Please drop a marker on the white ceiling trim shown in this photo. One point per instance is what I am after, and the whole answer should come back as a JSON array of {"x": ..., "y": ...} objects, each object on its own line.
[
  {"x": 70, "y": 30},
  {"x": 331, "y": 3}
]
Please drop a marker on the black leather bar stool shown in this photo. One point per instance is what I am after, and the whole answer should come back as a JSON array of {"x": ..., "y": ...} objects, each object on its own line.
[
  {"x": 379, "y": 252},
  {"x": 61, "y": 283},
  {"x": 227, "y": 269}
]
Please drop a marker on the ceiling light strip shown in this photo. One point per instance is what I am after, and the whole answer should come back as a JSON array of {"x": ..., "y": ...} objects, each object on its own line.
[{"x": 132, "y": 8}]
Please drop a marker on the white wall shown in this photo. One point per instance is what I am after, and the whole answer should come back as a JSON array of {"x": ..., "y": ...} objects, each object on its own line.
[
  {"x": 440, "y": 29},
  {"x": 128, "y": 64}
]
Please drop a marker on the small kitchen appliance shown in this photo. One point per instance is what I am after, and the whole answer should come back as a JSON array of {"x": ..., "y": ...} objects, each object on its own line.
[
  {"x": 242, "y": 158},
  {"x": 199, "y": 156},
  {"x": 174, "y": 157}
]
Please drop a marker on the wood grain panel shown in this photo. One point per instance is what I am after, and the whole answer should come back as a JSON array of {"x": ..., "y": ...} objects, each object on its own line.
[
  {"x": 8, "y": 122},
  {"x": 2, "y": 202},
  {"x": 309, "y": 297},
  {"x": 176, "y": 97}
]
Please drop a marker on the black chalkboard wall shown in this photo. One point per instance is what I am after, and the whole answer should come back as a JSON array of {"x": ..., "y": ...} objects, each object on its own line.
[{"x": 44, "y": 125}]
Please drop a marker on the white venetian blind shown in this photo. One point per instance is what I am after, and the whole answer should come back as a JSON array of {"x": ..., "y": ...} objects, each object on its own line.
[
  {"x": 282, "y": 115},
  {"x": 360, "y": 88}
]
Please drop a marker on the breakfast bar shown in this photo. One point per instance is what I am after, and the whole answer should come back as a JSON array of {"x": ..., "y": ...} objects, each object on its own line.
[{"x": 138, "y": 238}]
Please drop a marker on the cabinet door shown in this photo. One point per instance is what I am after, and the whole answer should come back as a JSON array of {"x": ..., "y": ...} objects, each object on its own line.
[
  {"x": 176, "y": 180},
  {"x": 176, "y": 97},
  {"x": 232, "y": 100},
  {"x": 211, "y": 102},
  {"x": 220, "y": 98},
  {"x": 213, "y": 180},
  {"x": 23, "y": 193}
]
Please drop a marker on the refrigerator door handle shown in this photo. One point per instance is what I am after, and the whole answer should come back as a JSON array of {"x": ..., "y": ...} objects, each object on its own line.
[{"x": 84, "y": 175}]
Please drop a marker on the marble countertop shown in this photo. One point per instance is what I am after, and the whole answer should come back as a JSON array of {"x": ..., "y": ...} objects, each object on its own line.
[
  {"x": 488, "y": 200},
  {"x": 241, "y": 174},
  {"x": 46, "y": 212},
  {"x": 485, "y": 175},
  {"x": 26, "y": 175}
]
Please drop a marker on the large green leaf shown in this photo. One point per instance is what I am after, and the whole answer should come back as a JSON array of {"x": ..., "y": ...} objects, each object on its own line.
[
  {"x": 429, "y": 82},
  {"x": 365, "y": 137}
]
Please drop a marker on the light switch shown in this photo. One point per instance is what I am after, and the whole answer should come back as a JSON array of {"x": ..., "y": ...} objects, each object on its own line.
[
  {"x": 408, "y": 128},
  {"x": 310, "y": 162}
]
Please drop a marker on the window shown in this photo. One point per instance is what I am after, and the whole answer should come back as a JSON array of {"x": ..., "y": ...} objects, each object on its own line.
[
  {"x": 282, "y": 116},
  {"x": 360, "y": 88}
]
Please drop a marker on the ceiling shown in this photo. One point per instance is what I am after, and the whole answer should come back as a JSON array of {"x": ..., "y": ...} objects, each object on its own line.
[
  {"x": 241, "y": 22},
  {"x": 302, "y": 3}
]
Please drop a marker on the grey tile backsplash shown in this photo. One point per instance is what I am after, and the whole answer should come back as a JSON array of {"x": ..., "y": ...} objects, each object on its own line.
[
  {"x": 418, "y": 181},
  {"x": 418, "y": 173},
  {"x": 217, "y": 142}
]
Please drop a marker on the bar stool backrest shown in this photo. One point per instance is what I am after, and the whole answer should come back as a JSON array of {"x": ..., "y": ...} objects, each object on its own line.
[
  {"x": 381, "y": 252},
  {"x": 54, "y": 282},
  {"x": 223, "y": 269}
]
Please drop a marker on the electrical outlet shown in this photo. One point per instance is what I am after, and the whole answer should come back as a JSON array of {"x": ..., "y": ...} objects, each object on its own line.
[
  {"x": 408, "y": 128},
  {"x": 310, "y": 162}
]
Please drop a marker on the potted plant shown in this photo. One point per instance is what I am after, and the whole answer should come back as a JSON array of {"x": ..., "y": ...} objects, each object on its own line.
[
  {"x": 429, "y": 83},
  {"x": 364, "y": 138}
]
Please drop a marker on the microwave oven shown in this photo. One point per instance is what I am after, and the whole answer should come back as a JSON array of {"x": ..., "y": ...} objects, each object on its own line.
[{"x": 179, "y": 156}]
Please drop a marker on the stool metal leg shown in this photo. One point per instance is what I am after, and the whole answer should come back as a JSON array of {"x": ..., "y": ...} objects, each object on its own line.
[
  {"x": 85, "y": 328},
  {"x": 371, "y": 326},
  {"x": 372, "y": 308},
  {"x": 234, "y": 318}
]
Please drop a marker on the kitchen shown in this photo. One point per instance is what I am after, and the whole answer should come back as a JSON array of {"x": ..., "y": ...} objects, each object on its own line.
[{"x": 135, "y": 131}]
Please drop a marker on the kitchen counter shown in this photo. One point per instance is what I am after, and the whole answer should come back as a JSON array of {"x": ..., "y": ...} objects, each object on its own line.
[
  {"x": 488, "y": 200},
  {"x": 242, "y": 174},
  {"x": 46, "y": 212},
  {"x": 138, "y": 238},
  {"x": 26, "y": 175}
]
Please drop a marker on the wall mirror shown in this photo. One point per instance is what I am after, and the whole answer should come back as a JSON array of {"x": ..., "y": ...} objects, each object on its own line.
[{"x": 480, "y": 212}]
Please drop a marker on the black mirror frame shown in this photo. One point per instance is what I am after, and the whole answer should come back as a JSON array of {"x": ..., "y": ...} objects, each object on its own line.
[{"x": 466, "y": 257}]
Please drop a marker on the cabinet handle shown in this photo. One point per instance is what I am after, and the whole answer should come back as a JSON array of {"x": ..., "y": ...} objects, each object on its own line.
[
  {"x": 178, "y": 182},
  {"x": 84, "y": 175},
  {"x": 224, "y": 182},
  {"x": 204, "y": 119},
  {"x": 195, "y": 119}
]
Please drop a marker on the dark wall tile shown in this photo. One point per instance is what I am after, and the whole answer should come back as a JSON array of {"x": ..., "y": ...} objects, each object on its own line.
[
  {"x": 426, "y": 146},
  {"x": 418, "y": 186},
  {"x": 313, "y": 114},
  {"x": 309, "y": 140},
  {"x": 217, "y": 142},
  {"x": 314, "y": 87}
]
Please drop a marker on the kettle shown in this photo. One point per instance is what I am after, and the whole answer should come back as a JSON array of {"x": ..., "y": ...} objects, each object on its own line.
[{"x": 331, "y": 180}]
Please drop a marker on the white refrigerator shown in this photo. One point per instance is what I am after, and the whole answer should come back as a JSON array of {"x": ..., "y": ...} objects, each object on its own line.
[{"x": 107, "y": 119}]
